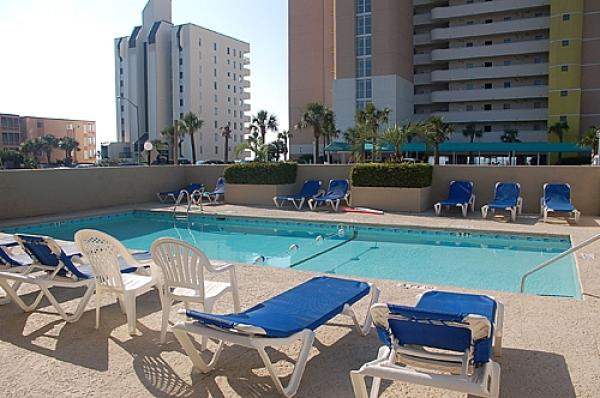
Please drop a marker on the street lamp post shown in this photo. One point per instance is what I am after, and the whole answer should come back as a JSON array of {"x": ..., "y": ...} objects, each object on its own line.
[{"x": 137, "y": 118}]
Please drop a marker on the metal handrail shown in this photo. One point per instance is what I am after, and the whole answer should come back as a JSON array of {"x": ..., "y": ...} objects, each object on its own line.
[{"x": 562, "y": 255}]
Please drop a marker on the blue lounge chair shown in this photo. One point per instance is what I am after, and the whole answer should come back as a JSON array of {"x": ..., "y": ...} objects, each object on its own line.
[
  {"x": 338, "y": 190},
  {"x": 61, "y": 270},
  {"x": 309, "y": 190},
  {"x": 291, "y": 316},
  {"x": 192, "y": 190},
  {"x": 219, "y": 192},
  {"x": 507, "y": 196},
  {"x": 557, "y": 199},
  {"x": 446, "y": 341},
  {"x": 460, "y": 195},
  {"x": 10, "y": 260}
]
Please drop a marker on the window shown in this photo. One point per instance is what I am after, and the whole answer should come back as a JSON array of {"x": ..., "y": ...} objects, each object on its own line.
[
  {"x": 216, "y": 111},
  {"x": 537, "y": 82},
  {"x": 507, "y": 62},
  {"x": 489, "y": 43},
  {"x": 40, "y": 124},
  {"x": 489, "y": 21},
  {"x": 363, "y": 25},
  {"x": 566, "y": 17},
  {"x": 215, "y": 72},
  {"x": 564, "y": 93},
  {"x": 470, "y": 22},
  {"x": 363, "y": 46},
  {"x": 537, "y": 105},
  {"x": 488, "y": 64},
  {"x": 181, "y": 75},
  {"x": 216, "y": 98},
  {"x": 469, "y": 44},
  {"x": 469, "y": 108},
  {"x": 215, "y": 85},
  {"x": 181, "y": 102},
  {"x": 537, "y": 61},
  {"x": 563, "y": 119},
  {"x": 564, "y": 68},
  {"x": 469, "y": 66},
  {"x": 508, "y": 18},
  {"x": 506, "y": 106},
  {"x": 487, "y": 129},
  {"x": 507, "y": 40},
  {"x": 180, "y": 61},
  {"x": 234, "y": 52},
  {"x": 507, "y": 84},
  {"x": 488, "y": 86},
  {"x": 181, "y": 89},
  {"x": 228, "y": 51},
  {"x": 121, "y": 71},
  {"x": 181, "y": 116},
  {"x": 565, "y": 43},
  {"x": 216, "y": 125},
  {"x": 363, "y": 89},
  {"x": 216, "y": 150},
  {"x": 121, "y": 83},
  {"x": 487, "y": 107},
  {"x": 363, "y": 6},
  {"x": 215, "y": 60},
  {"x": 215, "y": 46},
  {"x": 363, "y": 67}
]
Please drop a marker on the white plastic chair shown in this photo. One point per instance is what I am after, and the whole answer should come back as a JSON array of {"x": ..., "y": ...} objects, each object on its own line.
[
  {"x": 183, "y": 269},
  {"x": 103, "y": 252}
]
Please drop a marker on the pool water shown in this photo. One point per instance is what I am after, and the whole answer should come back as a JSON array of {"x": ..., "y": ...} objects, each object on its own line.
[{"x": 488, "y": 261}]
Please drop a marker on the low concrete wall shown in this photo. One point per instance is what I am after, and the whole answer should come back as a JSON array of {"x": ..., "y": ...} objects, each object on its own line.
[
  {"x": 255, "y": 195},
  {"x": 392, "y": 199},
  {"x": 27, "y": 193},
  {"x": 206, "y": 174},
  {"x": 584, "y": 181}
]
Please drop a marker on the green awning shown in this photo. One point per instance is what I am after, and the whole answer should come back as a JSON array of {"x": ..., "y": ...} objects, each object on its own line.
[{"x": 476, "y": 147}]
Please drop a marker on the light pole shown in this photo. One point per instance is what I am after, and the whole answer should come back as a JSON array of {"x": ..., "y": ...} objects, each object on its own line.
[{"x": 137, "y": 118}]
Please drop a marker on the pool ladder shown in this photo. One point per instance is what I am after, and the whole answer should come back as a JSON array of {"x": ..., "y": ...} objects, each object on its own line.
[
  {"x": 553, "y": 260},
  {"x": 189, "y": 199}
]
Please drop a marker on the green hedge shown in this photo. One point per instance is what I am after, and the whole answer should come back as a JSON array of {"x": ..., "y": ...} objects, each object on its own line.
[
  {"x": 399, "y": 175},
  {"x": 261, "y": 173}
]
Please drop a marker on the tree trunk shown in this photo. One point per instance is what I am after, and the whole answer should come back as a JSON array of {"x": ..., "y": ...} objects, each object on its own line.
[
  {"x": 175, "y": 148},
  {"x": 193, "y": 143},
  {"x": 49, "y": 156},
  {"x": 263, "y": 134},
  {"x": 316, "y": 153},
  {"x": 436, "y": 155},
  {"x": 226, "y": 157}
]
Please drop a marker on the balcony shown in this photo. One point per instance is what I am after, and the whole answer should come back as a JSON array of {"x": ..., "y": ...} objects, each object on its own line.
[
  {"x": 422, "y": 19},
  {"x": 495, "y": 72},
  {"x": 246, "y": 96},
  {"x": 245, "y": 83},
  {"x": 497, "y": 28},
  {"x": 422, "y": 99},
  {"x": 487, "y": 7},
  {"x": 422, "y": 59},
  {"x": 246, "y": 61},
  {"x": 421, "y": 39},
  {"x": 422, "y": 78},
  {"x": 245, "y": 72},
  {"x": 512, "y": 115},
  {"x": 498, "y": 50},
  {"x": 247, "y": 108},
  {"x": 417, "y": 3},
  {"x": 513, "y": 93}
]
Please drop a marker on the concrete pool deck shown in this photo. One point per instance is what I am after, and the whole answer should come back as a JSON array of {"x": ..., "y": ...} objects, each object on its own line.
[{"x": 551, "y": 346}]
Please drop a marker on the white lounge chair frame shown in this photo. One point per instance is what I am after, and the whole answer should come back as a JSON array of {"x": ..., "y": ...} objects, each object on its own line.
[
  {"x": 254, "y": 338},
  {"x": 45, "y": 282},
  {"x": 400, "y": 363},
  {"x": 103, "y": 252},
  {"x": 298, "y": 203},
  {"x": 545, "y": 210},
  {"x": 514, "y": 211},
  {"x": 335, "y": 204},
  {"x": 464, "y": 207},
  {"x": 184, "y": 268}
]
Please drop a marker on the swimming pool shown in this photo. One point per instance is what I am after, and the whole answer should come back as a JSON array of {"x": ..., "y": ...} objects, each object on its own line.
[{"x": 489, "y": 261}]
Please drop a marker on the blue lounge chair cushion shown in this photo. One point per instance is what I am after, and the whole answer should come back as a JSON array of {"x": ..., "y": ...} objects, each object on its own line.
[
  {"x": 507, "y": 195},
  {"x": 190, "y": 189},
  {"x": 444, "y": 307},
  {"x": 10, "y": 261},
  {"x": 219, "y": 188},
  {"x": 306, "y": 306},
  {"x": 338, "y": 189},
  {"x": 309, "y": 189},
  {"x": 460, "y": 193},
  {"x": 558, "y": 197},
  {"x": 36, "y": 247}
]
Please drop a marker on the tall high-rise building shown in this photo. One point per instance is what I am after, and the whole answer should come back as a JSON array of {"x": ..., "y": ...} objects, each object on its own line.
[
  {"x": 164, "y": 71},
  {"x": 497, "y": 64}
]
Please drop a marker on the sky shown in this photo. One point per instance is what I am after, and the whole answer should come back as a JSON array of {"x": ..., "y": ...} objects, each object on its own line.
[{"x": 58, "y": 60}]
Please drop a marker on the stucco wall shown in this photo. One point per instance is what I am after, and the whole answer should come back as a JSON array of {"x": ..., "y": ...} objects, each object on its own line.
[{"x": 25, "y": 193}]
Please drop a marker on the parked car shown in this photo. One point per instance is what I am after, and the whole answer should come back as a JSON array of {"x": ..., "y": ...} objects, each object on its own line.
[{"x": 201, "y": 162}]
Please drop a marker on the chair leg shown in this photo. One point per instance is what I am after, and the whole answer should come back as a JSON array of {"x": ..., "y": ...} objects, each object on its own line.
[
  {"x": 513, "y": 214},
  {"x": 97, "y": 298},
  {"x": 191, "y": 351},
  {"x": 484, "y": 211},
  {"x": 131, "y": 312},
  {"x": 438, "y": 209},
  {"x": 465, "y": 209},
  {"x": 166, "y": 304}
]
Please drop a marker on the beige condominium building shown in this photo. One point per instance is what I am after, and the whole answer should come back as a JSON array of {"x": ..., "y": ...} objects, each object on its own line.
[
  {"x": 164, "y": 71},
  {"x": 500, "y": 64},
  {"x": 15, "y": 129}
]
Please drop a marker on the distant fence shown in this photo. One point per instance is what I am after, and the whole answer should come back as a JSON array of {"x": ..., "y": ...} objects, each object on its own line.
[{"x": 28, "y": 193}]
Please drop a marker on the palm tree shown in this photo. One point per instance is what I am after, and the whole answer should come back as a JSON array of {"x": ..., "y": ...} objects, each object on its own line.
[
  {"x": 226, "y": 133},
  {"x": 590, "y": 139},
  {"x": 355, "y": 137},
  {"x": 559, "y": 129},
  {"x": 48, "y": 143},
  {"x": 192, "y": 124},
  {"x": 371, "y": 119},
  {"x": 284, "y": 139},
  {"x": 315, "y": 116},
  {"x": 254, "y": 144},
  {"x": 173, "y": 133},
  {"x": 510, "y": 136},
  {"x": 31, "y": 149},
  {"x": 471, "y": 132},
  {"x": 330, "y": 131},
  {"x": 262, "y": 122},
  {"x": 396, "y": 136},
  {"x": 68, "y": 144},
  {"x": 436, "y": 132}
]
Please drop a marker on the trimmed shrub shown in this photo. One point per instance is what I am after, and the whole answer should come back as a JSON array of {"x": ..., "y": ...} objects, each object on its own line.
[
  {"x": 261, "y": 173},
  {"x": 397, "y": 175}
]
